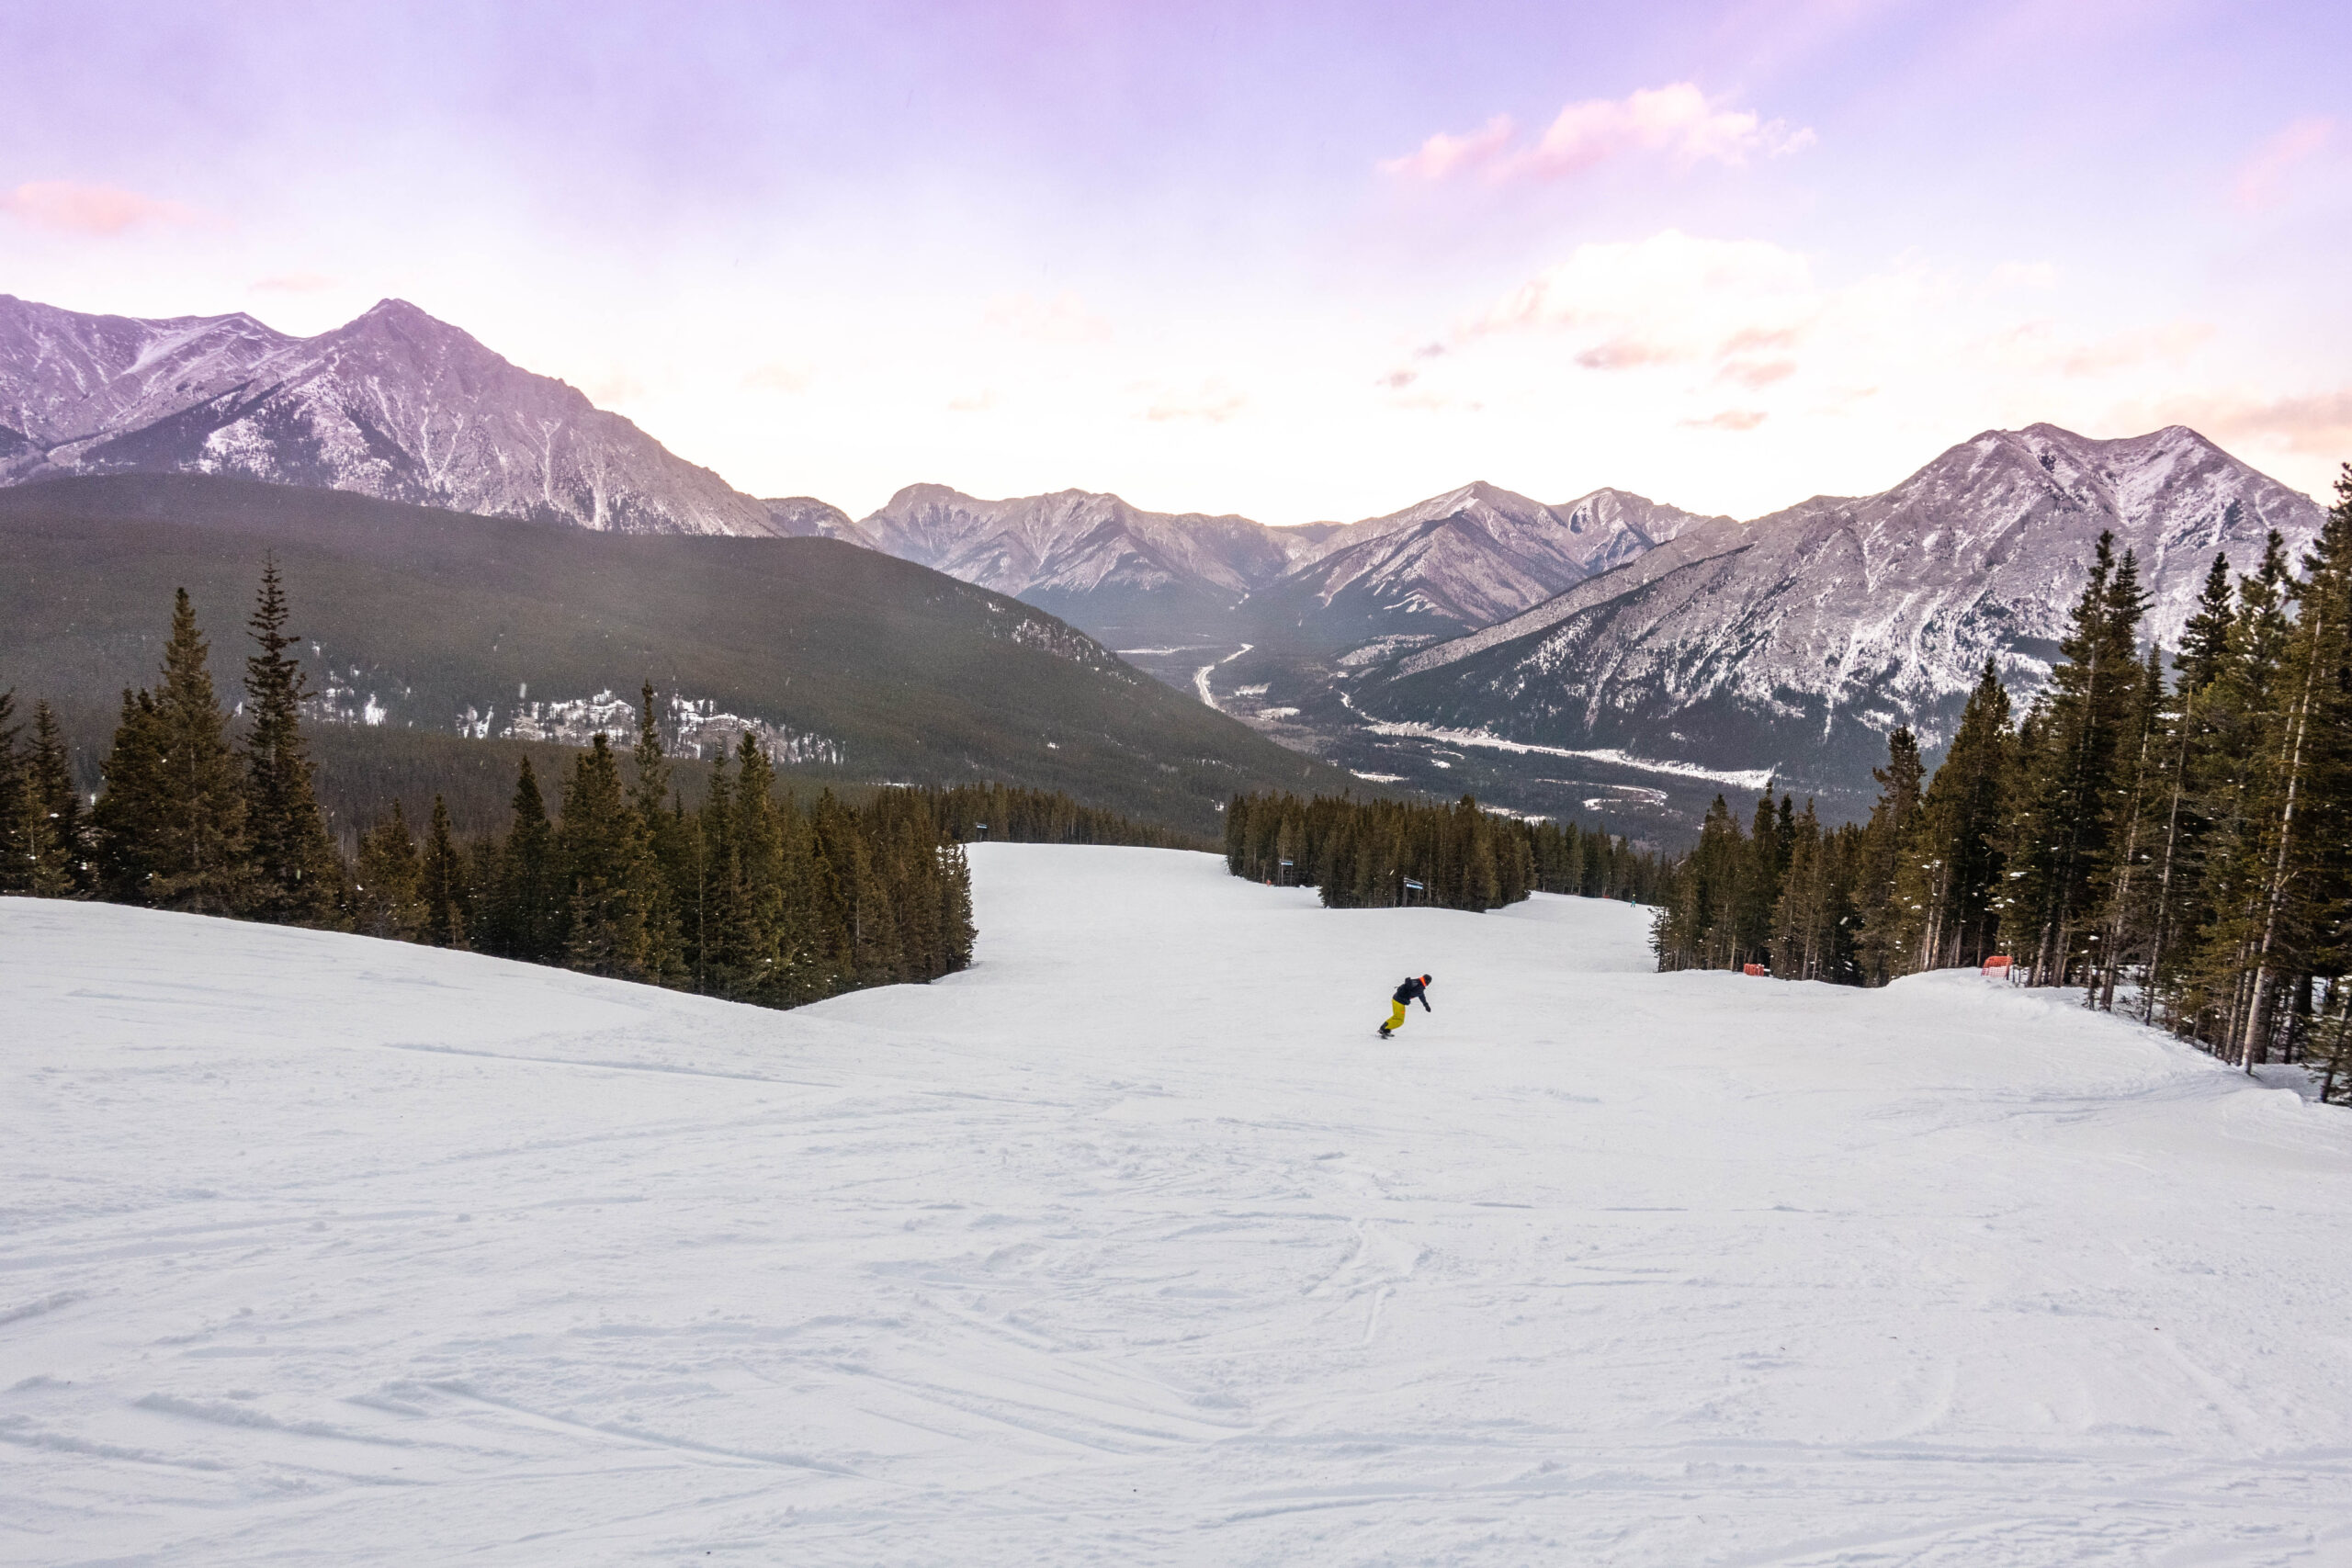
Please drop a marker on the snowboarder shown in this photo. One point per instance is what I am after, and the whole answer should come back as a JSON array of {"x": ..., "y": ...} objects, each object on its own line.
[{"x": 1411, "y": 991}]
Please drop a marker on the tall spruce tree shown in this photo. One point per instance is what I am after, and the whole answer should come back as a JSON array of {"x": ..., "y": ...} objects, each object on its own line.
[
  {"x": 171, "y": 823},
  {"x": 17, "y": 846},
  {"x": 53, "y": 825},
  {"x": 528, "y": 899},
  {"x": 608, "y": 870},
  {"x": 294, "y": 878},
  {"x": 2301, "y": 876},
  {"x": 387, "y": 886},
  {"x": 2235, "y": 772},
  {"x": 2069, "y": 778},
  {"x": 2176, "y": 908},
  {"x": 2123, "y": 885},
  {"x": 660, "y": 832},
  {"x": 1950, "y": 882},
  {"x": 442, "y": 891},
  {"x": 1812, "y": 924},
  {"x": 1884, "y": 839}
]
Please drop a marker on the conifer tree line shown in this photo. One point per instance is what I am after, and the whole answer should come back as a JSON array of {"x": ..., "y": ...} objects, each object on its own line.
[
  {"x": 1012, "y": 814},
  {"x": 2169, "y": 831},
  {"x": 1362, "y": 853},
  {"x": 749, "y": 895}
]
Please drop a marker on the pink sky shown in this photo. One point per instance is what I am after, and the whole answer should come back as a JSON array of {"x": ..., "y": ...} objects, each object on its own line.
[{"x": 1297, "y": 262}]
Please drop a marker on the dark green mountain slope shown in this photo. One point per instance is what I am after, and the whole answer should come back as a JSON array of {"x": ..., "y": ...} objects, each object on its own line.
[{"x": 424, "y": 614}]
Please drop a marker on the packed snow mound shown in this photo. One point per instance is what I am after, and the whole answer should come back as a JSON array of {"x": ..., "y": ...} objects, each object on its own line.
[{"x": 1132, "y": 1243}]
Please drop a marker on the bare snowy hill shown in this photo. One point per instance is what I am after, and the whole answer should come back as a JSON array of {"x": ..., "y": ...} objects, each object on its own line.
[
  {"x": 394, "y": 404},
  {"x": 318, "y": 1249},
  {"x": 1794, "y": 643}
]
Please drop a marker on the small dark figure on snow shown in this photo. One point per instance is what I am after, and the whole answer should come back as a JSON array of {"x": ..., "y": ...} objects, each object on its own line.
[{"x": 1411, "y": 991}]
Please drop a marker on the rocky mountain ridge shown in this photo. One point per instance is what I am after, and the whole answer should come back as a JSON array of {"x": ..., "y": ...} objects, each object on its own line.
[
  {"x": 393, "y": 404},
  {"x": 1452, "y": 562},
  {"x": 1800, "y": 639}
]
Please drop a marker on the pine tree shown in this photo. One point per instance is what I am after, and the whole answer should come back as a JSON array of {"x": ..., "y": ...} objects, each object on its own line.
[
  {"x": 607, "y": 870},
  {"x": 388, "y": 882},
  {"x": 2121, "y": 886},
  {"x": 294, "y": 876},
  {"x": 660, "y": 832},
  {"x": 126, "y": 820},
  {"x": 17, "y": 847},
  {"x": 2070, "y": 779},
  {"x": 443, "y": 892},
  {"x": 171, "y": 823},
  {"x": 529, "y": 899},
  {"x": 2305, "y": 814},
  {"x": 2234, "y": 769},
  {"x": 1949, "y": 886},
  {"x": 60, "y": 853},
  {"x": 755, "y": 960},
  {"x": 1694, "y": 927},
  {"x": 2204, "y": 649},
  {"x": 719, "y": 883},
  {"x": 1884, "y": 840}
]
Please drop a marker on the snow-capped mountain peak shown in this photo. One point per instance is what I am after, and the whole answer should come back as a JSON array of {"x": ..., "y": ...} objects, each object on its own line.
[
  {"x": 393, "y": 403},
  {"x": 1800, "y": 638}
]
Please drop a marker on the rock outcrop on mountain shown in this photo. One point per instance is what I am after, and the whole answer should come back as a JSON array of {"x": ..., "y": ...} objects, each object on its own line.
[
  {"x": 394, "y": 404},
  {"x": 805, "y": 517},
  {"x": 1797, "y": 641}
]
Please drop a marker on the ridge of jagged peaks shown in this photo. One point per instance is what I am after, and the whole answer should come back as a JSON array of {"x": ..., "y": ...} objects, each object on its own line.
[{"x": 394, "y": 403}]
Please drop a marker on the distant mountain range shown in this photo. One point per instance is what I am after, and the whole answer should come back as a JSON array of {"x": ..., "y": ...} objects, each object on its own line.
[
  {"x": 1608, "y": 651},
  {"x": 394, "y": 404},
  {"x": 1449, "y": 564},
  {"x": 1796, "y": 642}
]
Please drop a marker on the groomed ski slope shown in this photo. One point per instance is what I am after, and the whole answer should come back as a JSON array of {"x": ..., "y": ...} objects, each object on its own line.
[{"x": 1133, "y": 1245}]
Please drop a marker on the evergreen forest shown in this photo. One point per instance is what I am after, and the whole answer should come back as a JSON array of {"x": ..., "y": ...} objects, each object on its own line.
[
  {"x": 749, "y": 894},
  {"x": 2169, "y": 831},
  {"x": 1386, "y": 853}
]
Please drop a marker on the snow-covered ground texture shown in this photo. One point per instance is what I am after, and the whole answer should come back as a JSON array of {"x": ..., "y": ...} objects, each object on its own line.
[{"x": 1132, "y": 1245}]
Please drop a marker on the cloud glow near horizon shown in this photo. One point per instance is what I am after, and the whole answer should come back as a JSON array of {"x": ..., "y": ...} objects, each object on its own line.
[{"x": 1295, "y": 262}]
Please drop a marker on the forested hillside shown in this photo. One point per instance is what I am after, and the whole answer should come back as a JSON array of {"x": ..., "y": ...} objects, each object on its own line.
[
  {"x": 2170, "y": 831},
  {"x": 746, "y": 895},
  {"x": 865, "y": 668}
]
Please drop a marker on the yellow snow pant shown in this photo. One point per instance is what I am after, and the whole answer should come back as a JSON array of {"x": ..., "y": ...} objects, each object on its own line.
[{"x": 1396, "y": 1015}]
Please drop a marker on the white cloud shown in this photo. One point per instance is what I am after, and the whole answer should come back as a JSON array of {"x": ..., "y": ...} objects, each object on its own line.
[
  {"x": 1674, "y": 123},
  {"x": 1670, "y": 298},
  {"x": 1443, "y": 154}
]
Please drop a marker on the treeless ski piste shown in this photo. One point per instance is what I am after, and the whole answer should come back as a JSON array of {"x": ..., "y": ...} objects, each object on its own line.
[{"x": 1132, "y": 1245}]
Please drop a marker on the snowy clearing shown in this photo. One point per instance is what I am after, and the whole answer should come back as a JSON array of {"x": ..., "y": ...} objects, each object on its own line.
[{"x": 1133, "y": 1245}]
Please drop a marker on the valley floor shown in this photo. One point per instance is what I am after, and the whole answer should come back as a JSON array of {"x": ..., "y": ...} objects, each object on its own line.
[{"x": 1132, "y": 1245}]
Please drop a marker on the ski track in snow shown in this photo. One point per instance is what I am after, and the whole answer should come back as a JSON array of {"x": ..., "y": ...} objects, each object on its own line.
[{"x": 1132, "y": 1245}]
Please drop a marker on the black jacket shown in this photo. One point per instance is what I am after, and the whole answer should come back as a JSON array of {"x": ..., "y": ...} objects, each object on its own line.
[{"x": 1411, "y": 991}]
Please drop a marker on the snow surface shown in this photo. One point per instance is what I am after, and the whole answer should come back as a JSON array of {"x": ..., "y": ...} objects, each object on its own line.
[{"x": 1132, "y": 1245}]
